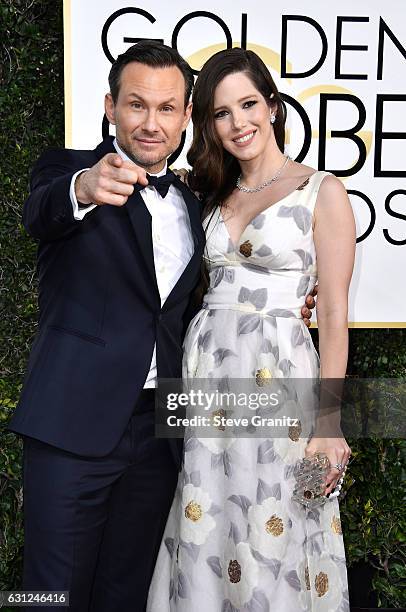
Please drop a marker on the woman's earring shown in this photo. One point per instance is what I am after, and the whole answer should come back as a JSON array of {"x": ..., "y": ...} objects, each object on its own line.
[{"x": 273, "y": 117}]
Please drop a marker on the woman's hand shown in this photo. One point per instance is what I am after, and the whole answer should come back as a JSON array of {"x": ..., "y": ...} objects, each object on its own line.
[
  {"x": 182, "y": 174},
  {"x": 337, "y": 451}
]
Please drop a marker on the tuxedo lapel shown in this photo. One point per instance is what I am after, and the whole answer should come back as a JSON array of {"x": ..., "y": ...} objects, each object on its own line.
[
  {"x": 142, "y": 225},
  {"x": 194, "y": 210}
]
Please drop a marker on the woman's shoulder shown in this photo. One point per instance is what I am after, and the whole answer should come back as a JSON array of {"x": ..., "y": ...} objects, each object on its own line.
[
  {"x": 302, "y": 171},
  {"x": 326, "y": 180}
]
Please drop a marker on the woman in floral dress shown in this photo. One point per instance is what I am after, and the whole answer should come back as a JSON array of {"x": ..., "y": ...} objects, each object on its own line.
[{"x": 235, "y": 539}]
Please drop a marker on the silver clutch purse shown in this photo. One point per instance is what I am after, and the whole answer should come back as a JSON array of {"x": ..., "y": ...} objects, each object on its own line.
[{"x": 310, "y": 474}]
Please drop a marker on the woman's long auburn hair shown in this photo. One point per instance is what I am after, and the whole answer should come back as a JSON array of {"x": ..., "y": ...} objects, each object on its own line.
[{"x": 215, "y": 170}]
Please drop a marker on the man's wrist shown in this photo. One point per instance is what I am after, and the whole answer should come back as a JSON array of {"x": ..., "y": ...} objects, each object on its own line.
[{"x": 82, "y": 200}]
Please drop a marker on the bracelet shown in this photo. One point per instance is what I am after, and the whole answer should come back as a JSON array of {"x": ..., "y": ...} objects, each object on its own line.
[{"x": 337, "y": 489}]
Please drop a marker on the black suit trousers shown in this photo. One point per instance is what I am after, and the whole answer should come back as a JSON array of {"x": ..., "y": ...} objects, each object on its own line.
[{"x": 93, "y": 526}]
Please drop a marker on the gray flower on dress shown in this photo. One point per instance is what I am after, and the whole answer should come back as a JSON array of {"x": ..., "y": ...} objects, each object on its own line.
[
  {"x": 220, "y": 354},
  {"x": 293, "y": 580},
  {"x": 286, "y": 366},
  {"x": 169, "y": 543},
  {"x": 300, "y": 214},
  {"x": 263, "y": 251},
  {"x": 216, "y": 276},
  {"x": 303, "y": 286},
  {"x": 192, "y": 549},
  {"x": 247, "y": 323},
  {"x": 242, "y": 502},
  {"x": 297, "y": 337},
  {"x": 265, "y": 490},
  {"x": 258, "y": 221},
  {"x": 190, "y": 444},
  {"x": 257, "y": 297},
  {"x": 273, "y": 564},
  {"x": 266, "y": 453},
  {"x": 266, "y": 346},
  {"x": 203, "y": 341},
  {"x": 228, "y": 606},
  {"x": 183, "y": 587},
  {"x": 258, "y": 603},
  {"x": 234, "y": 533},
  {"x": 214, "y": 564},
  {"x": 305, "y": 256},
  {"x": 229, "y": 275}
]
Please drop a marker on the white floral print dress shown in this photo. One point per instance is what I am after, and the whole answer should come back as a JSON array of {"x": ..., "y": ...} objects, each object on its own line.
[{"x": 235, "y": 540}]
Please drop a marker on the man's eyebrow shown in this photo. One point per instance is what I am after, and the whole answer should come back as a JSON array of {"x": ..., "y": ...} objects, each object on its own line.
[
  {"x": 240, "y": 100},
  {"x": 138, "y": 97}
]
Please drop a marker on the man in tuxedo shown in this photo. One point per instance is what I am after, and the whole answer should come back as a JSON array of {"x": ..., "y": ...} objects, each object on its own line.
[{"x": 120, "y": 246}]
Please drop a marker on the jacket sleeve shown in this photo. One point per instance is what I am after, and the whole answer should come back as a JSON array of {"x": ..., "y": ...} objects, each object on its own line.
[{"x": 48, "y": 211}]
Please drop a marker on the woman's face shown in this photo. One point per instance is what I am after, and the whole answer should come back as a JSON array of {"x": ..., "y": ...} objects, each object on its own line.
[{"x": 242, "y": 117}]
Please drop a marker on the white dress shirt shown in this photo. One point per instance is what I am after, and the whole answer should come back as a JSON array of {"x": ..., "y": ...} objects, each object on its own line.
[{"x": 171, "y": 238}]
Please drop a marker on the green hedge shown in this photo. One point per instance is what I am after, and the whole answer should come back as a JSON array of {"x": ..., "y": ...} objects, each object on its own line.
[
  {"x": 31, "y": 118},
  {"x": 31, "y": 113}
]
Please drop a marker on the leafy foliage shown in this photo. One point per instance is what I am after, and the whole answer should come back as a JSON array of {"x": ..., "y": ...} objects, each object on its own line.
[{"x": 31, "y": 114}]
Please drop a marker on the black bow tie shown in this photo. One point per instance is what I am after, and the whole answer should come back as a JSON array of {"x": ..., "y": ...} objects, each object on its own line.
[{"x": 162, "y": 183}]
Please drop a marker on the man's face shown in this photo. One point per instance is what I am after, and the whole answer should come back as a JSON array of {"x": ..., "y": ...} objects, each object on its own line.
[{"x": 149, "y": 113}]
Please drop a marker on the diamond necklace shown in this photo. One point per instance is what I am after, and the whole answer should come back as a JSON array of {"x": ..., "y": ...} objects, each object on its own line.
[{"x": 265, "y": 183}]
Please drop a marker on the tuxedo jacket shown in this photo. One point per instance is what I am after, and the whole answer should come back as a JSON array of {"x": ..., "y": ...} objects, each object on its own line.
[{"x": 100, "y": 310}]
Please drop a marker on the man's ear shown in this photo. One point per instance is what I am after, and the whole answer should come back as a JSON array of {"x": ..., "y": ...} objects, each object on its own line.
[
  {"x": 188, "y": 114},
  {"x": 109, "y": 108}
]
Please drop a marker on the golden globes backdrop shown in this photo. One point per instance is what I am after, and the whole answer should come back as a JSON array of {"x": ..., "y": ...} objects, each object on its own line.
[{"x": 342, "y": 69}]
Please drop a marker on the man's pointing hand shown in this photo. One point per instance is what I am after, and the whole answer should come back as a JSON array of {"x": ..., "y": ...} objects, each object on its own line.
[{"x": 110, "y": 181}]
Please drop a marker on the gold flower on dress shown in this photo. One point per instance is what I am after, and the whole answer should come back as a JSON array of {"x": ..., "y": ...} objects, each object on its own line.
[
  {"x": 193, "y": 511},
  {"x": 336, "y": 525},
  {"x": 321, "y": 584},
  {"x": 241, "y": 571},
  {"x": 326, "y": 579},
  {"x": 234, "y": 571},
  {"x": 220, "y": 412},
  {"x": 196, "y": 524},
  {"x": 269, "y": 533},
  {"x": 303, "y": 185},
  {"x": 263, "y": 377},
  {"x": 295, "y": 431},
  {"x": 246, "y": 248},
  {"x": 274, "y": 525}
]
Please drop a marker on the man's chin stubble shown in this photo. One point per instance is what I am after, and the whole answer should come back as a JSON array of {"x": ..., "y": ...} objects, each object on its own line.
[{"x": 145, "y": 163}]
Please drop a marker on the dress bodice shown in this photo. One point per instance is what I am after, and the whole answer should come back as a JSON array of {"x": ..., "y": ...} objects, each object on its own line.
[{"x": 273, "y": 266}]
